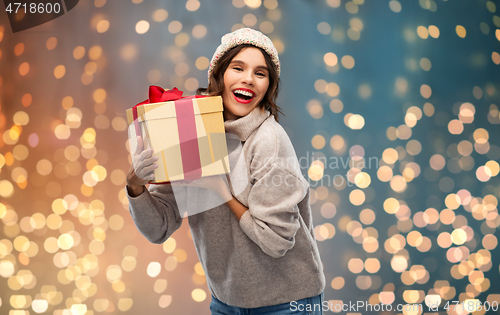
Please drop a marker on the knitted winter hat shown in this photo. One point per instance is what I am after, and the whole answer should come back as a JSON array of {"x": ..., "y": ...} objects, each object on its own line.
[{"x": 245, "y": 36}]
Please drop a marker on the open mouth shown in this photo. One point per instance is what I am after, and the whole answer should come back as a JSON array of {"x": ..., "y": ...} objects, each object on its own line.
[{"x": 243, "y": 96}]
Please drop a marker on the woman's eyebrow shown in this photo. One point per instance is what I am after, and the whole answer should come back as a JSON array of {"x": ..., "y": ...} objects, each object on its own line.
[{"x": 243, "y": 63}]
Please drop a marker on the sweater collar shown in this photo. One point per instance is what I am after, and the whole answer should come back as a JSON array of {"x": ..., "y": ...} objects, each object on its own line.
[{"x": 244, "y": 126}]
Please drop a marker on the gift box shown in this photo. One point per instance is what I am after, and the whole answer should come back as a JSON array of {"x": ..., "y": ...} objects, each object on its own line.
[{"x": 186, "y": 133}]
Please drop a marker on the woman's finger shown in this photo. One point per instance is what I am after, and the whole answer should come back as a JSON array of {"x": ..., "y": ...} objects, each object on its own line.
[
  {"x": 146, "y": 175},
  {"x": 150, "y": 168},
  {"x": 140, "y": 146},
  {"x": 145, "y": 163},
  {"x": 143, "y": 159},
  {"x": 146, "y": 154}
]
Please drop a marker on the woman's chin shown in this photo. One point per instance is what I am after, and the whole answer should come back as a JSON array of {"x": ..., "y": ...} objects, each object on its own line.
[
  {"x": 233, "y": 115},
  {"x": 230, "y": 116}
]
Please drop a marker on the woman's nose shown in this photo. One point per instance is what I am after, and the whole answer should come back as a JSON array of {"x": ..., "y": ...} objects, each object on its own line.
[{"x": 247, "y": 77}]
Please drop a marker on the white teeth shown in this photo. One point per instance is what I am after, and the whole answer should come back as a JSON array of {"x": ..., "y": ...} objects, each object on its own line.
[{"x": 243, "y": 93}]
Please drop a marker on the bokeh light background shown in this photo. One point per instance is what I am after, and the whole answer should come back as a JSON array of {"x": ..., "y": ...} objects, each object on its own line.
[{"x": 392, "y": 107}]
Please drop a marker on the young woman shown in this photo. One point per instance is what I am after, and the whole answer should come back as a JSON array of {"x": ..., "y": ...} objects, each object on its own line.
[{"x": 258, "y": 248}]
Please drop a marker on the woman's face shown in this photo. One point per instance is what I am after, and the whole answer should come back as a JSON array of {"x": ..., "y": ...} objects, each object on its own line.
[{"x": 245, "y": 83}]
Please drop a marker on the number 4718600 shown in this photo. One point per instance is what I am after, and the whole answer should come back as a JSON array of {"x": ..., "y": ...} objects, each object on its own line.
[
  {"x": 35, "y": 8},
  {"x": 472, "y": 305}
]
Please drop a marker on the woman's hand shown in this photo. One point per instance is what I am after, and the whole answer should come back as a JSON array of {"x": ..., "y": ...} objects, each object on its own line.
[
  {"x": 142, "y": 170},
  {"x": 215, "y": 183}
]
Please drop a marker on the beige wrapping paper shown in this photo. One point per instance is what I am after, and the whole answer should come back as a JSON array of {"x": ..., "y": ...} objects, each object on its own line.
[{"x": 160, "y": 131}]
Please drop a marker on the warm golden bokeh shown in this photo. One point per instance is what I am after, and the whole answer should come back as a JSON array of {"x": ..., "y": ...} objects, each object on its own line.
[{"x": 403, "y": 173}]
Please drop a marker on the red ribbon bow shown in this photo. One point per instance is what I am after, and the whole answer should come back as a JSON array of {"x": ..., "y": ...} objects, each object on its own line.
[{"x": 156, "y": 95}]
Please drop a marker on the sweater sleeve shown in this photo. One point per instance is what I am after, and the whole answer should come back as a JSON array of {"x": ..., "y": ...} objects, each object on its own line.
[
  {"x": 272, "y": 218},
  {"x": 155, "y": 213}
]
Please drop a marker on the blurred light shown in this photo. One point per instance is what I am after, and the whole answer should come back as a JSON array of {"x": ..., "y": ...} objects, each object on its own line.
[
  {"x": 175, "y": 27},
  {"x": 315, "y": 109},
  {"x": 142, "y": 27},
  {"x": 320, "y": 86},
  {"x": 347, "y": 62},
  {"x": 170, "y": 263},
  {"x": 24, "y": 68},
  {"x": 328, "y": 210},
  {"x": 192, "y": 5},
  {"x": 316, "y": 170},
  {"x": 353, "y": 34},
  {"x": 154, "y": 269},
  {"x": 425, "y": 91},
  {"x": 202, "y": 63},
  {"x": 249, "y": 19},
  {"x": 399, "y": 263},
  {"x": 271, "y": 4},
  {"x": 154, "y": 76},
  {"x": 351, "y": 7},
  {"x": 113, "y": 273},
  {"x": 160, "y": 15},
  {"x": 95, "y": 52},
  {"x": 280, "y": 46},
  {"x": 355, "y": 265},
  {"x": 78, "y": 309},
  {"x": 59, "y": 71},
  {"x": 128, "y": 52},
  {"x": 165, "y": 301},
  {"x": 356, "y": 122},
  {"x": 333, "y": 3},
  {"x": 330, "y": 59},
  {"x": 99, "y": 3},
  {"x": 357, "y": 197},
  {"x": 26, "y": 99},
  {"x": 437, "y": 162},
  {"x": 332, "y": 89},
  {"x": 395, "y": 6},
  {"x": 199, "y": 31},
  {"x": 181, "y": 69},
  {"x": 425, "y": 64},
  {"x": 181, "y": 40},
  {"x": 51, "y": 43},
  {"x": 119, "y": 124},
  {"x": 169, "y": 245},
  {"x": 79, "y": 52},
  {"x": 422, "y": 32},
  {"x": 40, "y": 306},
  {"x": 6, "y": 189},
  {"x": 124, "y": 304},
  {"x": 324, "y": 28},
  {"x": 460, "y": 31},
  {"x": 318, "y": 142},
  {"x": 266, "y": 27},
  {"x": 102, "y": 26},
  {"x": 18, "y": 49},
  {"x": 455, "y": 127},
  {"x": 433, "y": 31},
  {"x": 481, "y": 135},
  {"x": 254, "y": 4}
]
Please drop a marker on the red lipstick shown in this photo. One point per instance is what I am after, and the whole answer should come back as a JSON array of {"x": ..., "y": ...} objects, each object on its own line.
[{"x": 241, "y": 99}]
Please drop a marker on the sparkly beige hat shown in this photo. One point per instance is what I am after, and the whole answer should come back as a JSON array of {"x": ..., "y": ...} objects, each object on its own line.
[{"x": 245, "y": 36}]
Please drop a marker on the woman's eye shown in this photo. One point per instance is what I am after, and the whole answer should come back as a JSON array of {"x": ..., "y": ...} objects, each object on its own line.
[
  {"x": 237, "y": 68},
  {"x": 261, "y": 74}
]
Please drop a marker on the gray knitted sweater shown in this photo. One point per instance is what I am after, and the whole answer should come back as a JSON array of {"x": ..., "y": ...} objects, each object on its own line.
[{"x": 268, "y": 257}]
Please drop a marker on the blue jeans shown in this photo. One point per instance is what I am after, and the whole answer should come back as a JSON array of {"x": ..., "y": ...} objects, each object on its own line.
[{"x": 307, "y": 306}]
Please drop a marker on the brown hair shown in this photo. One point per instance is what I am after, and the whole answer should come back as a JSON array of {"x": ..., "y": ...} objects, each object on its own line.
[{"x": 216, "y": 80}]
